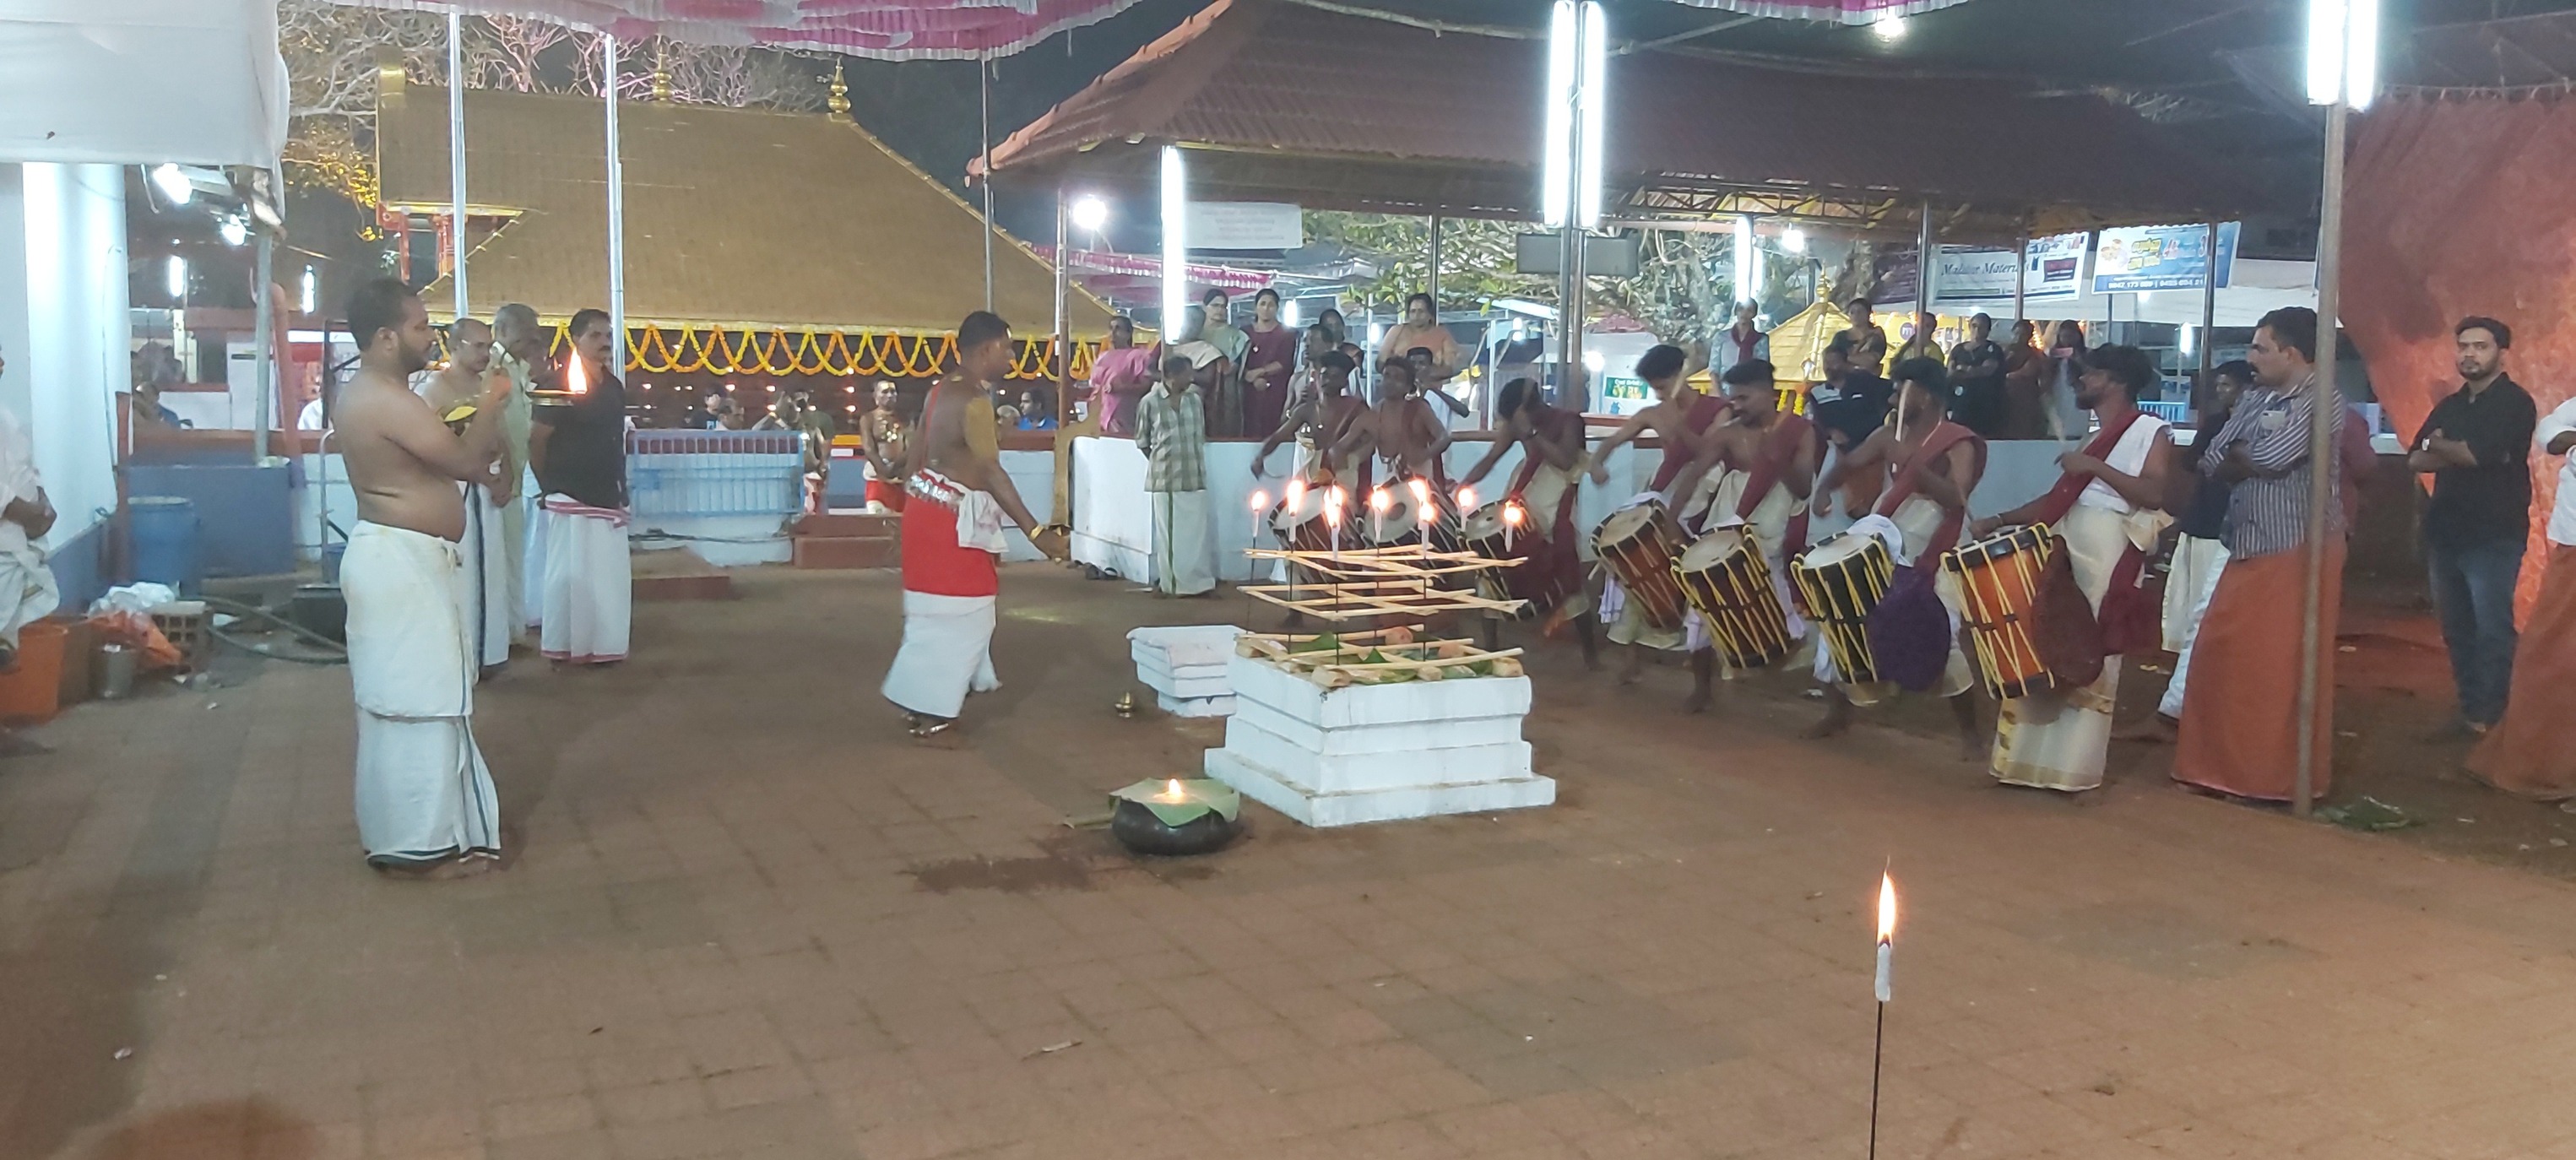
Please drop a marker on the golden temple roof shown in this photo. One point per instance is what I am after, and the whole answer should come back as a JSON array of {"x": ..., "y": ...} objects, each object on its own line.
[{"x": 734, "y": 218}]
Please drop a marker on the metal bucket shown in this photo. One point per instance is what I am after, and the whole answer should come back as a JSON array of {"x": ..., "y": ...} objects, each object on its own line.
[{"x": 114, "y": 673}]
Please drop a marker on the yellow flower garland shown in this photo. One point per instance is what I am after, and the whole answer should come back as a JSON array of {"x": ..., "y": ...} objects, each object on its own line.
[{"x": 654, "y": 350}]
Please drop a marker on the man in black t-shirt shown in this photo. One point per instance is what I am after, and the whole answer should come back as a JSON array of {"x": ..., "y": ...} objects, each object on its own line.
[
  {"x": 577, "y": 447},
  {"x": 1977, "y": 379},
  {"x": 2477, "y": 447},
  {"x": 1851, "y": 403}
]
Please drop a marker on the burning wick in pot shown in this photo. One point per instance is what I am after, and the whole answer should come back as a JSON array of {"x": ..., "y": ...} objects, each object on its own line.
[{"x": 1172, "y": 792}]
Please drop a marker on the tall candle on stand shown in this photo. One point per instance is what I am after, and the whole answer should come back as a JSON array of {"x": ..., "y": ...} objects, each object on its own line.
[
  {"x": 1886, "y": 960},
  {"x": 1379, "y": 501},
  {"x": 1260, "y": 499},
  {"x": 1511, "y": 523},
  {"x": 1333, "y": 500}
]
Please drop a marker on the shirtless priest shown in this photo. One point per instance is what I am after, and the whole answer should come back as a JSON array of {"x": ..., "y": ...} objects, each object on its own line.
[
  {"x": 956, "y": 496},
  {"x": 425, "y": 802}
]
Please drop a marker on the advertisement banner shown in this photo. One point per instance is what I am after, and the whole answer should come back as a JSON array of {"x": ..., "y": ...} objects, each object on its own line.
[
  {"x": 2057, "y": 266},
  {"x": 2139, "y": 258},
  {"x": 1972, "y": 275}
]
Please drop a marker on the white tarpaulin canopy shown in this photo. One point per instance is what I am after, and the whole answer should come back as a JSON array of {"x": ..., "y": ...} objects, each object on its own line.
[{"x": 141, "y": 81}]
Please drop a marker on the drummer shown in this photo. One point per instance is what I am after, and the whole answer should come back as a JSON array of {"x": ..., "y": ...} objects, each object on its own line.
[
  {"x": 1402, "y": 431},
  {"x": 2104, "y": 505},
  {"x": 1677, "y": 417},
  {"x": 1764, "y": 460},
  {"x": 1930, "y": 466},
  {"x": 1545, "y": 487},
  {"x": 1321, "y": 419}
]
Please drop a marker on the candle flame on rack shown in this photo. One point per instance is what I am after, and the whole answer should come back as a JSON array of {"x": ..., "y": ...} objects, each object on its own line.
[
  {"x": 1512, "y": 514},
  {"x": 1296, "y": 493},
  {"x": 1260, "y": 499},
  {"x": 1466, "y": 499},
  {"x": 1171, "y": 791},
  {"x": 1379, "y": 501},
  {"x": 1337, "y": 499},
  {"x": 1421, "y": 490},
  {"x": 1886, "y": 909},
  {"x": 1426, "y": 513}
]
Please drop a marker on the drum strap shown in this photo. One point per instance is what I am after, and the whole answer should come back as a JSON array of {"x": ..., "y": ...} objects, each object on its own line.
[
  {"x": 2070, "y": 486},
  {"x": 1909, "y": 479}
]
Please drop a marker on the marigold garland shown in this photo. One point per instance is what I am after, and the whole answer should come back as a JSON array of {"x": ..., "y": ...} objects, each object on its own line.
[{"x": 653, "y": 350}]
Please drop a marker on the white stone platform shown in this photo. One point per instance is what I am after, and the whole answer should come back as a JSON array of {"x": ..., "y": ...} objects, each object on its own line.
[
  {"x": 1186, "y": 666},
  {"x": 1376, "y": 753}
]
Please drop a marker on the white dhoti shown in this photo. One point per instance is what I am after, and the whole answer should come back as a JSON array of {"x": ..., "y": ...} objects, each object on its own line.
[
  {"x": 423, "y": 792},
  {"x": 27, "y": 592},
  {"x": 1768, "y": 525},
  {"x": 947, "y": 653},
  {"x": 488, "y": 596},
  {"x": 1184, "y": 558},
  {"x": 532, "y": 559},
  {"x": 2188, "y": 587},
  {"x": 2057, "y": 740},
  {"x": 588, "y": 595}
]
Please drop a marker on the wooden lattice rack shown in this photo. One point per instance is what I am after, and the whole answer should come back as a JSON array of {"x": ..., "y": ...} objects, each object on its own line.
[{"x": 1374, "y": 583}]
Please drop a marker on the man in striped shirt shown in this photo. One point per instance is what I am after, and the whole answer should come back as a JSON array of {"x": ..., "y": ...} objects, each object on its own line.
[{"x": 2240, "y": 714}]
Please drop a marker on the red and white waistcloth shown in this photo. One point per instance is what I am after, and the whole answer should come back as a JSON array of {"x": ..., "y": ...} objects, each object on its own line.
[{"x": 952, "y": 542}]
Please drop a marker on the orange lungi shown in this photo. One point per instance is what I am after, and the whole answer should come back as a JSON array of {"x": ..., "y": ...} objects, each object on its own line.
[
  {"x": 2530, "y": 752},
  {"x": 2240, "y": 730}
]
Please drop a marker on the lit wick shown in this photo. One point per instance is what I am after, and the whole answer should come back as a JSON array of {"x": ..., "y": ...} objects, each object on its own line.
[
  {"x": 1379, "y": 501},
  {"x": 1172, "y": 792},
  {"x": 1512, "y": 516},
  {"x": 1260, "y": 499}
]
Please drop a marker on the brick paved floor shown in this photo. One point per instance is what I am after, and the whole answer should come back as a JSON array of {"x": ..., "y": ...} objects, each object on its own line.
[{"x": 746, "y": 918}]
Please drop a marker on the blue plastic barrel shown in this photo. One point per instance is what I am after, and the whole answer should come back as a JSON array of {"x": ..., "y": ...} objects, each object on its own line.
[{"x": 161, "y": 540}]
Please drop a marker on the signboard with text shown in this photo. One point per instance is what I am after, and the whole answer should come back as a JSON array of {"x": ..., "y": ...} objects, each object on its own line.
[
  {"x": 2133, "y": 259},
  {"x": 1246, "y": 225}
]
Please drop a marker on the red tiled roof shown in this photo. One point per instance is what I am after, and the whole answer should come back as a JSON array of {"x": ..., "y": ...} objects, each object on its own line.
[{"x": 1340, "y": 111}]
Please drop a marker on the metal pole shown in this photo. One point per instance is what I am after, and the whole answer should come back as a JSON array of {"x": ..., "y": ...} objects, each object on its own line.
[
  {"x": 2021, "y": 280},
  {"x": 1432, "y": 283},
  {"x": 616, "y": 210},
  {"x": 984, "y": 86},
  {"x": 1063, "y": 308},
  {"x": 456, "y": 154},
  {"x": 1923, "y": 274},
  {"x": 264, "y": 333},
  {"x": 2326, "y": 415},
  {"x": 2208, "y": 314}
]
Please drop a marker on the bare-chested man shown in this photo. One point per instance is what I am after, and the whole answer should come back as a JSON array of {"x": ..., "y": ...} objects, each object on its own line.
[
  {"x": 1931, "y": 466},
  {"x": 1545, "y": 487},
  {"x": 1402, "y": 431},
  {"x": 885, "y": 439},
  {"x": 425, "y": 802},
  {"x": 1677, "y": 417},
  {"x": 1757, "y": 465},
  {"x": 958, "y": 497},
  {"x": 1320, "y": 422},
  {"x": 487, "y": 589}
]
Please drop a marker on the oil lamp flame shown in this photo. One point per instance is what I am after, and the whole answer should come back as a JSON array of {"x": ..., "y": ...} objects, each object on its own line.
[
  {"x": 1886, "y": 909},
  {"x": 576, "y": 376},
  {"x": 1171, "y": 791}
]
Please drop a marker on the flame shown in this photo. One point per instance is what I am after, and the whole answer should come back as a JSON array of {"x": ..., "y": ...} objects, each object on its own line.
[
  {"x": 1260, "y": 499},
  {"x": 1466, "y": 499},
  {"x": 1886, "y": 909},
  {"x": 1421, "y": 490},
  {"x": 1296, "y": 493},
  {"x": 1512, "y": 514},
  {"x": 1337, "y": 499},
  {"x": 577, "y": 376},
  {"x": 1379, "y": 501},
  {"x": 1171, "y": 791}
]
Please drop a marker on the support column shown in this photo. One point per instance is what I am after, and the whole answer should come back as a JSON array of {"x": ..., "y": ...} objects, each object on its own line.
[
  {"x": 264, "y": 333},
  {"x": 456, "y": 156},
  {"x": 2326, "y": 414},
  {"x": 1063, "y": 311},
  {"x": 1923, "y": 270},
  {"x": 616, "y": 209},
  {"x": 984, "y": 87},
  {"x": 2021, "y": 280},
  {"x": 2208, "y": 314}
]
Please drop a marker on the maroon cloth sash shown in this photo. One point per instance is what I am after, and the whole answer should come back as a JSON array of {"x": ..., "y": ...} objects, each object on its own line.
[
  {"x": 2129, "y": 619},
  {"x": 1677, "y": 454},
  {"x": 1908, "y": 480},
  {"x": 2070, "y": 486},
  {"x": 1779, "y": 450}
]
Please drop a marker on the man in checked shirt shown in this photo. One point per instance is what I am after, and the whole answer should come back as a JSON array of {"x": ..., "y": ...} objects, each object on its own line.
[
  {"x": 1171, "y": 431},
  {"x": 2240, "y": 718}
]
